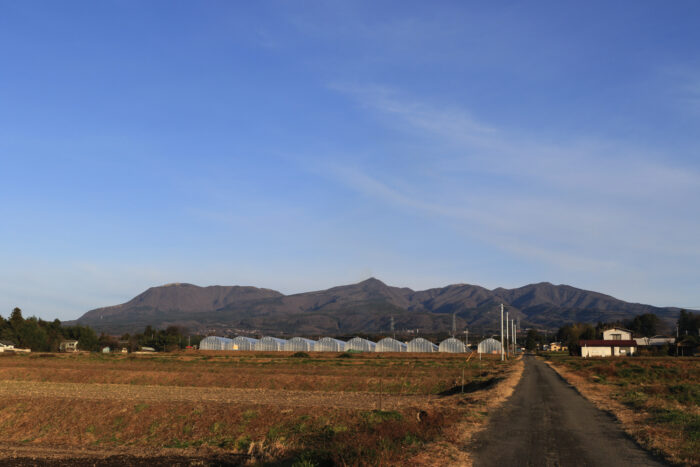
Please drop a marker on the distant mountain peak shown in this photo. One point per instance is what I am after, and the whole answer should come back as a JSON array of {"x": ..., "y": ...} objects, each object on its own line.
[
  {"x": 365, "y": 306},
  {"x": 372, "y": 281}
]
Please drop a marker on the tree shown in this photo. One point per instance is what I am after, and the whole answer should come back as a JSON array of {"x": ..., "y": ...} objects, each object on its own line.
[
  {"x": 644, "y": 325},
  {"x": 16, "y": 317},
  {"x": 31, "y": 335},
  {"x": 532, "y": 339},
  {"x": 571, "y": 334},
  {"x": 6, "y": 332},
  {"x": 688, "y": 323},
  {"x": 86, "y": 337},
  {"x": 105, "y": 340}
]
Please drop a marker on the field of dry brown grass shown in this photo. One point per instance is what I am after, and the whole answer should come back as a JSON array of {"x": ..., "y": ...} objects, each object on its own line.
[
  {"x": 244, "y": 406},
  {"x": 657, "y": 399}
]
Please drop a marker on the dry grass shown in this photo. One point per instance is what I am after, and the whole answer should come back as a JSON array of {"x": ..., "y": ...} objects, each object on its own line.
[
  {"x": 656, "y": 399},
  {"x": 254, "y": 407},
  {"x": 452, "y": 450},
  {"x": 424, "y": 374}
]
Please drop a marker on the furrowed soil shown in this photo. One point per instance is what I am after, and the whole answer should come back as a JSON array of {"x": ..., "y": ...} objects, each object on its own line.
[
  {"x": 656, "y": 399},
  {"x": 202, "y": 408}
]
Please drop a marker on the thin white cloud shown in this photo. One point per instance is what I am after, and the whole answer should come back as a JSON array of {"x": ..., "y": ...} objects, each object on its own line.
[
  {"x": 586, "y": 205},
  {"x": 611, "y": 167}
]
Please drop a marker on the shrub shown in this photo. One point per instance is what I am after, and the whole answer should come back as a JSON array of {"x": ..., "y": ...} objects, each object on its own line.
[{"x": 685, "y": 392}]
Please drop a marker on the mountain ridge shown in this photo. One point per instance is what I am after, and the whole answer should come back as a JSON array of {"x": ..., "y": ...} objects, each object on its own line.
[{"x": 366, "y": 306}]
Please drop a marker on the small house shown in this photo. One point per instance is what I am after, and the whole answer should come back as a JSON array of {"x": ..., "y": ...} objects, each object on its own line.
[
  {"x": 6, "y": 345},
  {"x": 616, "y": 342},
  {"x": 68, "y": 346},
  {"x": 558, "y": 347}
]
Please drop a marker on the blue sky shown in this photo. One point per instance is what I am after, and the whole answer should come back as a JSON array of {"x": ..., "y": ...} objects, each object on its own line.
[{"x": 301, "y": 145}]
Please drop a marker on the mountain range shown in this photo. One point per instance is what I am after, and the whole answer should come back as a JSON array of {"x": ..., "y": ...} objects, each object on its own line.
[{"x": 365, "y": 307}]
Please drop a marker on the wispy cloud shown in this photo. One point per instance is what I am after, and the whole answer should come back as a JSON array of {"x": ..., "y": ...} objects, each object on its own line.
[
  {"x": 685, "y": 90},
  {"x": 587, "y": 205},
  {"x": 614, "y": 168}
]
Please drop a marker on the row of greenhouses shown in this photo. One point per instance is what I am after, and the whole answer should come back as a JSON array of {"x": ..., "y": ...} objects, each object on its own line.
[{"x": 357, "y": 344}]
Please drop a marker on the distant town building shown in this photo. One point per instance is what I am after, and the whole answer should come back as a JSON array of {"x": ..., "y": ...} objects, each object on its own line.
[
  {"x": 558, "y": 347},
  {"x": 68, "y": 346}
]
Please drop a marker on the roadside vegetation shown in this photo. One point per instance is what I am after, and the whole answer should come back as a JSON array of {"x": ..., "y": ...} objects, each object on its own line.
[{"x": 656, "y": 398}]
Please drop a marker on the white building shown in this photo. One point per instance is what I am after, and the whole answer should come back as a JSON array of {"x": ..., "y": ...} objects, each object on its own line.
[
  {"x": 616, "y": 342},
  {"x": 617, "y": 334},
  {"x": 655, "y": 341},
  {"x": 6, "y": 345},
  {"x": 68, "y": 346}
]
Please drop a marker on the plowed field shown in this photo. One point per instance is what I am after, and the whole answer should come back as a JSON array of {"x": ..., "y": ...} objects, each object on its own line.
[{"x": 237, "y": 407}]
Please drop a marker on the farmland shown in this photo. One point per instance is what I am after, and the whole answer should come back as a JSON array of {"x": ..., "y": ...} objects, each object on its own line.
[
  {"x": 245, "y": 407},
  {"x": 657, "y": 399}
]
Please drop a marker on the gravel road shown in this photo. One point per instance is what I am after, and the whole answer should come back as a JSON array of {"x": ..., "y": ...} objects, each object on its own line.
[{"x": 547, "y": 423}]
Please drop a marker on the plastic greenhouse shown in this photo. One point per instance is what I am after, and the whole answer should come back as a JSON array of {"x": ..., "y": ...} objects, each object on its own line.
[
  {"x": 270, "y": 343},
  {"x": 216, "y": 343},
  {"x": 244, "y": 343},
  {"x": 389, "y": 344},
  {"x": 328, "y": 344},
  {"x": 297, "y": 344},
  {"x": 421, "y": 345},
  {"x": 452, "y": 345},
  {"x": 360, "y": 345},
  {"x": 489, "y": 345}
]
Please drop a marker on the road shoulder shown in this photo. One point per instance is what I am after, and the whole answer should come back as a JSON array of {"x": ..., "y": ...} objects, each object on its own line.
[
  {"x": 454, "y": 450},
  {"x": 633, "y": 423}
]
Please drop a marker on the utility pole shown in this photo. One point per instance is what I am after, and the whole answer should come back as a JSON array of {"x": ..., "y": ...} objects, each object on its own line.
[
  {"x": 466, "y": 337},
  {"x": 515, "y": 338},
  {"x": 507, "y": 335},
  {"x": 454, "y": 324},
  {"x": 502, "y": 356},
  {"x": 392, "y": 327},
  {"x": 510, "y": 341},
  {"x": 676, "y": 341}
]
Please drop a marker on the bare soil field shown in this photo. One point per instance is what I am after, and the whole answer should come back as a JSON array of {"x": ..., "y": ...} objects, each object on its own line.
[
  {"x": 656, "y": 399},
  {"x": 243, "y": 407}
]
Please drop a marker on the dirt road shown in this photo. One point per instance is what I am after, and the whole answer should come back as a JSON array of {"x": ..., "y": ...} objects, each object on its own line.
[
  {"x": 279, "y": 398},
  {"x": 547, "y": 423}
]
